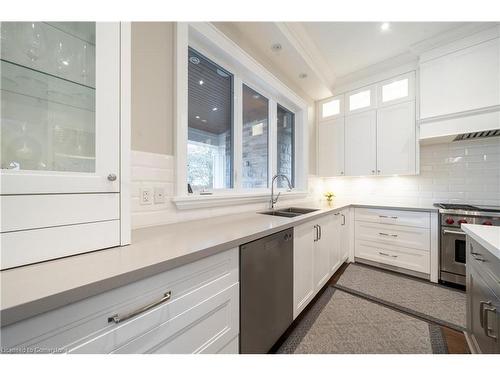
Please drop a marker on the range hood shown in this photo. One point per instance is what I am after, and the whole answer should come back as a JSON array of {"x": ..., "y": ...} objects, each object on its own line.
[{"x": 473, "y": 125}]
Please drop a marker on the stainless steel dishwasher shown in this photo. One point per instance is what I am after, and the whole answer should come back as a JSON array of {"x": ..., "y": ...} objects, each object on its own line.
[{"x": 266, "y": 291}]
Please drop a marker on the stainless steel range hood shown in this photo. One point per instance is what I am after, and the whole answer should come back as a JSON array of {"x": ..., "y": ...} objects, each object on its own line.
[{"x": 476, "y": 135}]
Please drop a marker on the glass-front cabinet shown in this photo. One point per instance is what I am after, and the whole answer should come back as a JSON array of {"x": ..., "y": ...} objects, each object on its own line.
[{"x": 60, "y": 130}]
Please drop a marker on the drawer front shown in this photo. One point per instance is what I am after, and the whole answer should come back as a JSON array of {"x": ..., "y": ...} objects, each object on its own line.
[
  {"x": 64, "y": 328},
  {"x": 411, "y": 259},
  {"x": 191, "y": 324},
  {"x": 395, "y": 217},
  {"x": 397, "y": 235},
  {"x": 481, "y": 259}
]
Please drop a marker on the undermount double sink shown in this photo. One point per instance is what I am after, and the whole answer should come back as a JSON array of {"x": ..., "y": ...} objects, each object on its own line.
[{"x": 289, "y": 212}]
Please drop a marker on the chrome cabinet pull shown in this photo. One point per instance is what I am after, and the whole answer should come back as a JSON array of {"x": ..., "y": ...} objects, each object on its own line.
[
  {"x": 343, "y": 219},
  {"x": 481, "y": 312},
  {"x": 118, "y": 319},
  {"x": 387, "y": 234},
  {"x": 387, "y": 217},
  {"x": 477, "y": 256},
  {"x": 112, "y": 177},
  {"x": 387, "y": 255},
  {"x": 316, "y": 233},
  {"x": 320, "y": 232},
  {"x": 487, "y": 329},
  {"x": 447, "y": 231}
]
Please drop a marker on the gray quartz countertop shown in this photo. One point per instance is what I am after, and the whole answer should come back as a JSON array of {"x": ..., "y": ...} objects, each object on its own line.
[
  {"x": 486, "y": 236},
  {"x": 33, "y": 289}
]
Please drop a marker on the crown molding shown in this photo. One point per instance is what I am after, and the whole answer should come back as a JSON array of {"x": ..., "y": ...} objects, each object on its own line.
[{"x": 299, "y": 38}]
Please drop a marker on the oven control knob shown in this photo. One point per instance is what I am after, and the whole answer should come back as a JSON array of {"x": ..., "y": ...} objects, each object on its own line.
[
  {"x": 462, "y": 221},
  {"x": 450, "y": 221},
  {"x": 487, "y": 222}
]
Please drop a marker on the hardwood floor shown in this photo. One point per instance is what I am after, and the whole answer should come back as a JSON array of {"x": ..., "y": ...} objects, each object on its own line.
[{"x": 455, "y": 340}]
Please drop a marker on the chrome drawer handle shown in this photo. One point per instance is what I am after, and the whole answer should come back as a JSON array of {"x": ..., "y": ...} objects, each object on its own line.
[
  {"x": 447, "y": 231},
  {"x": 118, "y": 319},
  {"x": 387, "y": 255},
  {"x": 487, "y": 329},
  {"x": 387, "y": 217},
  {"x": 481, "y": 312},
  {"x": 387, "y": 234},
  {"x": 477, "y": 256}
]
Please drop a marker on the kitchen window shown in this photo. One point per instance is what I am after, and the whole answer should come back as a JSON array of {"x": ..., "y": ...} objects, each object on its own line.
[
  {"x": 285, "y": 149},
  {"x": 243, "y": 125},
  {"x": 210, "y": 124},
  {"x": 255, "y": 136}
]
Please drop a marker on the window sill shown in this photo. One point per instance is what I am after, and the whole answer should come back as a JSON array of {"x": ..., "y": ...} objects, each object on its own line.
[{"x": 204, "y": 201}]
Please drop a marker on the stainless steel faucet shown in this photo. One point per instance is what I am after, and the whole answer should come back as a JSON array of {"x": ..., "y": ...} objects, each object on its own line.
[{"x": 273, "y": 201}]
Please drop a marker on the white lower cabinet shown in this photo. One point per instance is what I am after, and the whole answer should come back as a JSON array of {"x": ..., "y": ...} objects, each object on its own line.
[
  {"x": 316, "y": 257},
  {"x": 398, "y": 239},
  {"x": 200, "y": 314}
]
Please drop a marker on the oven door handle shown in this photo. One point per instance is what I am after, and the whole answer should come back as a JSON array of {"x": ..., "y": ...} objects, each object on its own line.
[{"x": 447, "y": 231}]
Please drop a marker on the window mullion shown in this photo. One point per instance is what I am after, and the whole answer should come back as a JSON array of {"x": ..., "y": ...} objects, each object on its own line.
[
  {"x": 273, "y": 140},
  {"x": 237, "y": 132}
]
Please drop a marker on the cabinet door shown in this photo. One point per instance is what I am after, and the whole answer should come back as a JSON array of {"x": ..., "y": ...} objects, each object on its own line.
[
  {"x": 396, "y": 139},
  {"x": 60, "y": 107},
  {"x": 335, "y": 249},
  {"x": 331, "y": 147},
  {"x": 361, "y": 143},
  {"x": 461, "y": 81},
  {"x": 483, "y": 314},
  {"x": 344, "y": 236},
  {"x": 322, "y": 250},
  {"x": 303, "y": 279}
]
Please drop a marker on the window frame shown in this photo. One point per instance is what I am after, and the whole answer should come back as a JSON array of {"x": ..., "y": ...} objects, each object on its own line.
[
  {"x": 373, "y": 99},
  {"x": 215, "y": 46}
]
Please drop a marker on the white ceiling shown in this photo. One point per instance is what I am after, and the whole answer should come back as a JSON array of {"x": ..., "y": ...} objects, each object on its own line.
[
  {"x": 351, "y": 46},
  {"x": 331, "y": 52}
]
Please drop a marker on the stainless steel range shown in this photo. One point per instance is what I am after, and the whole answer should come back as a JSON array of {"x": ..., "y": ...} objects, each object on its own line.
[{"x": 452, "y": 245}]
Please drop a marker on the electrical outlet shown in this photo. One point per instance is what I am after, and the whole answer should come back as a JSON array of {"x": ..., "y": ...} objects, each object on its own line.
[
  {"x": 146, "y": 196},
  {"x": 159, "y": 195}
]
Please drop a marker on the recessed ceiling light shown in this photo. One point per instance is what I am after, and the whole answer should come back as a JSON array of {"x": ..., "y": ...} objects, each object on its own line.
[
  {"x": 276, "y": 47},
  {"x": 214, "y": 109},
  {"x": 385, "y": 26},
  {"x": 194, "y": 60},
  {"x": 197, "y": 116},
  {"x": 302, "y": 75},
  {"x": 201, "y": 82}
]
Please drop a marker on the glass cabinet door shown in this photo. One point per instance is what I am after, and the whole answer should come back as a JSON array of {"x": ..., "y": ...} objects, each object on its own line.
[{"x": 60, "y": 109}]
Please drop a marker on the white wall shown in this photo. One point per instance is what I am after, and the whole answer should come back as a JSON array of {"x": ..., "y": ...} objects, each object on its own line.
[{"x": 460, "y": 172}]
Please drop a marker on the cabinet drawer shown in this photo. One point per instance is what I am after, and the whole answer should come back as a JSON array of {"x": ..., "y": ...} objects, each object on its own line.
[
  {"x": 411, "y": 259},
  {"x": 397, "y": 217},
  {"x": 489, "y": 266},
  {"x": 191, "y": 324},
  {"x": 397, "y": 235},
  {"x": 66, "y": 327}
]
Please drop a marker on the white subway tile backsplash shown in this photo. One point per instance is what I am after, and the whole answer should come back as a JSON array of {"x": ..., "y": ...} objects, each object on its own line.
[{"x": 461, "y": 172}]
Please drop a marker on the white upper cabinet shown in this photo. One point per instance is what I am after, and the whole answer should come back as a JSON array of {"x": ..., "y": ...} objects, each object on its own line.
[
  {"x": 331, "y": 147},
  {"x": 460, "y": 78},
  {"x": 60, "y": 102},
  {"x": 61, "y": 137},
  {"x": 396, "y": 144},
  {"x": 361, "y": 100},
  {"x": 361, "y": 144}
]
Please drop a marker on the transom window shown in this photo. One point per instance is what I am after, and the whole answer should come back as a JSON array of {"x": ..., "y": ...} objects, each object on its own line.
[
  {"x": 330, "y": 108},
  {"x": 395, "y": 90},
  {"x": 360, "y": 100}
]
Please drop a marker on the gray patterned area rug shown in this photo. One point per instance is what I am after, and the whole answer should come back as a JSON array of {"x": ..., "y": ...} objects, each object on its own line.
[
  {"x": 341, "y": 323},
  {"x": 432, "y": 302}
]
